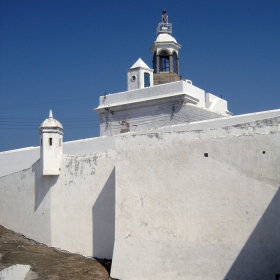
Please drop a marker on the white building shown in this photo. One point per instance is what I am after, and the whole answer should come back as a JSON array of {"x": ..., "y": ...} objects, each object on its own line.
[{"x": 174, "y": 188}]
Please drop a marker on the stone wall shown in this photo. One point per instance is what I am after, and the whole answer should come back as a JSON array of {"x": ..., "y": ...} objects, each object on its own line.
[{"x": 163, "y": 78}]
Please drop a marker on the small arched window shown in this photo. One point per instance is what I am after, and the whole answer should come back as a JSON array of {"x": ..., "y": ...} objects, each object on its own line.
[
  {"x": 175, "y": 62},
  {"x": 146, "y": 79},
  {"x": 155, "y": 62},
  {"x": 164, "y": 63}
]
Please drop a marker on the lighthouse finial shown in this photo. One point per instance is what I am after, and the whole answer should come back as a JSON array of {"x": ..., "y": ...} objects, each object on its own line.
[
  {"x": 51, "y": 115},
  {"x": 164, "y": 16}
]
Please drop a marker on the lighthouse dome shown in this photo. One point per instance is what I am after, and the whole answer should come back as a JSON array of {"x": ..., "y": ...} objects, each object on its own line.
[{"x": 164, "y": 37}]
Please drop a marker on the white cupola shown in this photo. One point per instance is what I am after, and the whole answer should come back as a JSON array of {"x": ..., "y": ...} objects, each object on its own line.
[
  {"x": 165, "y": 50},
  {"x": 139, "y": 75},
  {"x": 51, "y": 136}
]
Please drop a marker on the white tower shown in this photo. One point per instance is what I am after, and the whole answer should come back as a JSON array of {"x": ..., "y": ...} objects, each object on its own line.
[
  {"x": 51, "y": 136},
  {"x": 165, "y": 54},
  {"x": 139, "y": 75}
]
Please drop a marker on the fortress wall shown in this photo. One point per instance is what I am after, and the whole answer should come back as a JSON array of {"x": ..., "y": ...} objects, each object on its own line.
[
  {"x": 89, "y": 145},
  {"x": 83, "y": 205},
  {"x": 20, "y": 159},
  {"x": 17, "y": 160},
  {"x": 25, "y": 203},
  {"x": 222, "y": 122},
  {"x": 74, "y": 211},
  {"x": 201, "y": 203}
]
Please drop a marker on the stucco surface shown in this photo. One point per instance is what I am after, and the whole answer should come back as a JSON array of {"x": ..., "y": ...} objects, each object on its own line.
[
  {"x": 154, "y": 92},
  {"x": 182, "y": 215},
  {"x": 25, "y": 203},
  {"x": 223, "y": 122},
  {"x": 83, "y": 205},
  {"x": 89, "y": 145},
  {"x": 17, "y": 160},
  {"x": 152, "y": 117},
  {"x": 74, "y": 211},
  {"x": 20, "y": 159}
]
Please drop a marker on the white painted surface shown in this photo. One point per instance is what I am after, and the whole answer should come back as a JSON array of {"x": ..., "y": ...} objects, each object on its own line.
[
  {"x": 216, "y": 104},
  {"x": 25, "y": 203},
  {"x": 89, "y": 145},
  {"x": 83, "y": 205},
  {"x": 17, "y": 160},
  {"x": 152, "y": 117},
  {"x": 139, "y": 63},
  {"x": 151, "y": 93},
  {"x": 135, "y": 75},
  {"x": 222, "y": 122},
  {"x": 155, "y": 107},
  {"x": 174, "y": 206},
  {"x": 74, "y": 211},
  {"x": 51, "y": 152},
  {"x": 165, "y": 41},
  {"x": 164, "y": 37},
  {"x": 181, "y": 215},
  {"x": 51, "y": 138},
  {"x": 14, "y": 272}
]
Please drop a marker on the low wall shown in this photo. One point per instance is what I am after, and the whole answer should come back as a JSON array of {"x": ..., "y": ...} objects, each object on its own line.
[{"x": 199, "y": 204}]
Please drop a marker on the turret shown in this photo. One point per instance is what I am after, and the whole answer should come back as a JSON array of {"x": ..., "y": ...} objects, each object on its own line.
[
  {"x": 139, "y": 75},
  {"x": 51, "y": 136}
]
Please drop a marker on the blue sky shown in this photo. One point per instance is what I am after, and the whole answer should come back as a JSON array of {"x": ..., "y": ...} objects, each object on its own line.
[{"x": 62, "y": 55}]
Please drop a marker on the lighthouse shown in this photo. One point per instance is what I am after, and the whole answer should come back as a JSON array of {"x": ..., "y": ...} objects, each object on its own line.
[{"x": 165, "y": 50}]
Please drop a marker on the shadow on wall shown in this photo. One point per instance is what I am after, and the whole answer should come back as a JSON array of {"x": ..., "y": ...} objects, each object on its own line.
[
  {"x": 42, "y": 184},
  {"x": 260, "y": 256},
  {"x": 103, "y": 220}
]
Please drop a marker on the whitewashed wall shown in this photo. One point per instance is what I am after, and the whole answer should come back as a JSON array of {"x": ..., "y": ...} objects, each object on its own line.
[
  {"x": 157, "y": 106},
  {"x": 83, "y": 205},
  {"x": 74, "y": 211},
  {"x": 182, "y": 215},
  {"x": 153, "y": 117},
  {"x": 213, "y": 124},
  {"x": 20, "y": 159},
  {"x": 89, "y": 145},
  {"x": 17, "y": 160},
  {"x": 25, "y": 203}
]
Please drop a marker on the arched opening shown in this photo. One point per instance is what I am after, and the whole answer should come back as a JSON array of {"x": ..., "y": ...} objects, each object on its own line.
[
  {"x": 164, "y": 62},
  {"x": 146, "y": 79},
  {"x": 175, "y": 63},
  {"x": 155, "y": 62}
]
